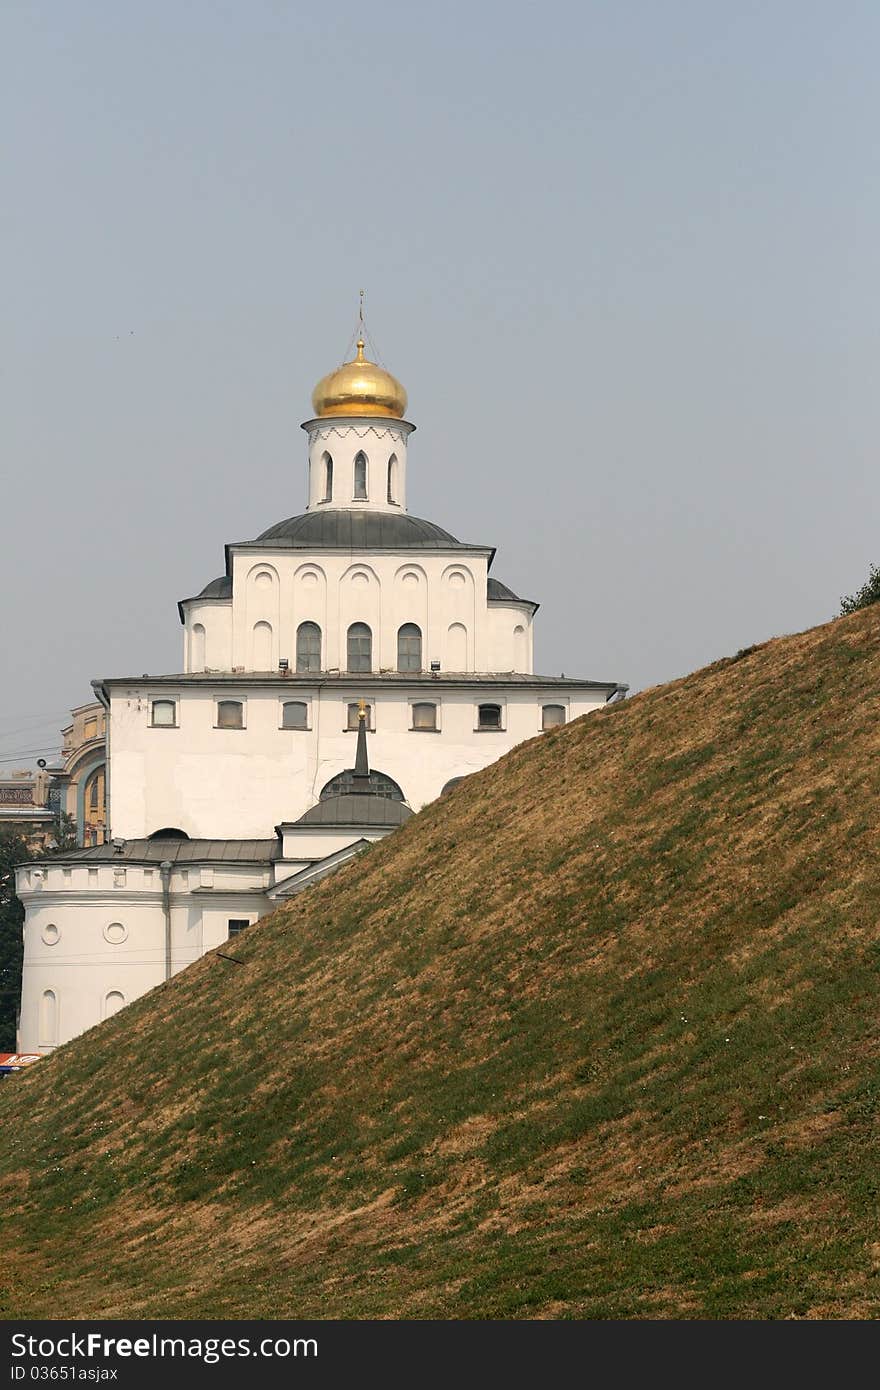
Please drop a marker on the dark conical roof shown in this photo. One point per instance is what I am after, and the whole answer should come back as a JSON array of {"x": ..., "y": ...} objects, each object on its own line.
[
  {"x": 218, "y": 588},
  {"x": 353, "y": 530}
]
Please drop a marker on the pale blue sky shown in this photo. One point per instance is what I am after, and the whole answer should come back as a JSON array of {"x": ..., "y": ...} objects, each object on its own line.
[{"x": 623, "y": 256}]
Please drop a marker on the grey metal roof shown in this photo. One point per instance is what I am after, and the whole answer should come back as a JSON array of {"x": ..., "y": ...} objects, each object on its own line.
[
  {"x": 218, "y": 588},
  {"x": 349, "y": 681},
  {"x": 356, "y": 809},
  {"x": 179, "y": 852},
  {"x": 496, "y": 592},
  {"x": 343, "y": 529}
]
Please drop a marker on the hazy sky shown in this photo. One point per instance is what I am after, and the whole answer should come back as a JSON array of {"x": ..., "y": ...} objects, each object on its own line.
[{"x": 623, "y": 255}]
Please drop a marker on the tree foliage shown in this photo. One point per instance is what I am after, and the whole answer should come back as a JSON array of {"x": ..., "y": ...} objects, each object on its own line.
[
  {"x": 869, "y": 593},
  {"x": 13, "y": 850}
]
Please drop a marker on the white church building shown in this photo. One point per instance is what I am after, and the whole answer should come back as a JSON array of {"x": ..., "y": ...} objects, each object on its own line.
[{"x": 351, "y": 633}]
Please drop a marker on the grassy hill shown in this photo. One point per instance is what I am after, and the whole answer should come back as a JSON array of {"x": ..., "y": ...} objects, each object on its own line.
[{"x": 595, "y": 1035}]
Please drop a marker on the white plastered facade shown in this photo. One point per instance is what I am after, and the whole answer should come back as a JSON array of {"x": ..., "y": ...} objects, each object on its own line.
[{"x": 99, "y": 929}]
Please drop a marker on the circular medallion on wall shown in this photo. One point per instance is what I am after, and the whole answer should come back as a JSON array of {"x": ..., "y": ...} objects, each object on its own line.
[
  {"x": 50, "y": 933},
  {"x": 360, "y": 578},
  {"x": 411, "y": 581},
  {"x": 264, "y": 580},
  {"x": 309, "y": 579},
  {"x": 115, "y": 933},
  {"x": 456, "y": 580}
]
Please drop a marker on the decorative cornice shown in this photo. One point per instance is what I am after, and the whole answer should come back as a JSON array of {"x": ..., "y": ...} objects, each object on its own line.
[{"x": 323, "y": 429}]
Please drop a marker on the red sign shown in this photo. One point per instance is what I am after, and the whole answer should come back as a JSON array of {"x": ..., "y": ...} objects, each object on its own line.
[{"x": 14, "y": 1061}]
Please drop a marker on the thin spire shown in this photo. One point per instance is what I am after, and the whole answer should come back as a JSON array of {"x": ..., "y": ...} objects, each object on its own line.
[{"x": 361, "y": 762}]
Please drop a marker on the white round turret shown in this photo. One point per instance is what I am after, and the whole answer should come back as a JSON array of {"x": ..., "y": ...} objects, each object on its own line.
[{"x": 358, "y": 463}]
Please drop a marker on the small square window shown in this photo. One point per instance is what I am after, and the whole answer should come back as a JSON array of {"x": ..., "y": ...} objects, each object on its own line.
[
  {"x": 237, "y": 925},
  {"x": 163, "y": 714},
  {"x": 552, "y": 716},
  {"x": 230, "y": 714},
  {"x": 294, "y": 714},
  {"x": 489, "y": 717},
  {"x": 424, "y": 716}
]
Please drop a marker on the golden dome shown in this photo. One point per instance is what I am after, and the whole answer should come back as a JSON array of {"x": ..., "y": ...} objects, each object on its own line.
[{"x": 359, "y": 387}]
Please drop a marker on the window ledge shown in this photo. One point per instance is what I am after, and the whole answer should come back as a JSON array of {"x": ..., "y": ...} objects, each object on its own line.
[
  {"x": 164, "y": 726},
  {"x": 413, "y": 729},
  {"x": 231, "y": 728},
  {"x": 496, "y": 729},
  {"x": 306, "y": 729}
]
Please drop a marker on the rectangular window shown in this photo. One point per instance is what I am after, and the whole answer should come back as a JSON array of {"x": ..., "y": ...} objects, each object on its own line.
[
  {"x": 424, "y": 716},
  {"x": 163, "y": 714},
  {"x": 353, "y": 715},
  {"x": 230, "y": 714},
  {"x": 90, "y": 728},
  {"x": 489, "y": 717},
  {"x": 552, "y": 716},
  {"x": 237, "y": 925},
  {"x": 294, "y": 714}
]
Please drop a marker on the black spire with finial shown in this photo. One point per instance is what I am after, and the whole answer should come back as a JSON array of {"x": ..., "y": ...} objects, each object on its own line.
[{"x": 361, "y": 761}]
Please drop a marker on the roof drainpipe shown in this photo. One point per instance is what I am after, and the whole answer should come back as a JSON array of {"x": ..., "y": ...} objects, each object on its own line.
[{"x": 165, "y": 875}]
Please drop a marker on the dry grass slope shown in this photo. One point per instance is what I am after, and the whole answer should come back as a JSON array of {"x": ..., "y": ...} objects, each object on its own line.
[{"x": 596, "y": 1035}]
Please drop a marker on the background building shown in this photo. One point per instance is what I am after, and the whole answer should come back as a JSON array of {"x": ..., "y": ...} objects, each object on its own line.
[
  {"x": 80, "y": 776},
  {"x": 25, "y": 807}
]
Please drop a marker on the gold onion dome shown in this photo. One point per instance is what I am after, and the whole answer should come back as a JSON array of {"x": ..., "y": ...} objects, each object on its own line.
[{"x": 359, "y": 387}]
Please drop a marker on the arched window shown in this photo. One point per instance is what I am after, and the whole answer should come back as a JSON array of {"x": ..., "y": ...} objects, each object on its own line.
[
  {"x": 353, "y": 716},
  {"x": 552, "y": 716},
  {"x": 198, "y": 647},
  {"x": 392, "y": 479},
  {"x": 168, "y": 832},
  {"x": 380, "y": 784},
  {"x": 230, "y": 714},
  {"x": 308, "y": 647},
  {"x": 519, "y": 648},
  {"x": 489, "y": 717},
  {"x": 424, "y": 715},
  {"x": 409, "y": 648},
  {"x": 48, "y": 1024},
  {"x": 360, "y": 477},
  {"x": 328, "y": 478},
  {"x": 294, "y": 714},
  {"x": 164, "y": 714},
  {"x": 113, "y": 1002},
  {"x": 360, "y": 648},
  {"x": 93, "y": 791}
]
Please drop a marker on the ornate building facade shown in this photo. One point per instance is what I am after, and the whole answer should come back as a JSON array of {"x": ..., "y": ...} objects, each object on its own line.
[{"x": 234, "y": 783}]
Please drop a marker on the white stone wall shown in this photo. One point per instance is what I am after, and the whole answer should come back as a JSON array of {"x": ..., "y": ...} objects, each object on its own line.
[
  {"x": 278, "y": 590},
  {"x": 207, "y": 637},
  {"x": 239, "y": 783},
  {"x": 94, "y": 936},
  {"x": 511, "y": 638},
  {"x": 444, "y": 594}
]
